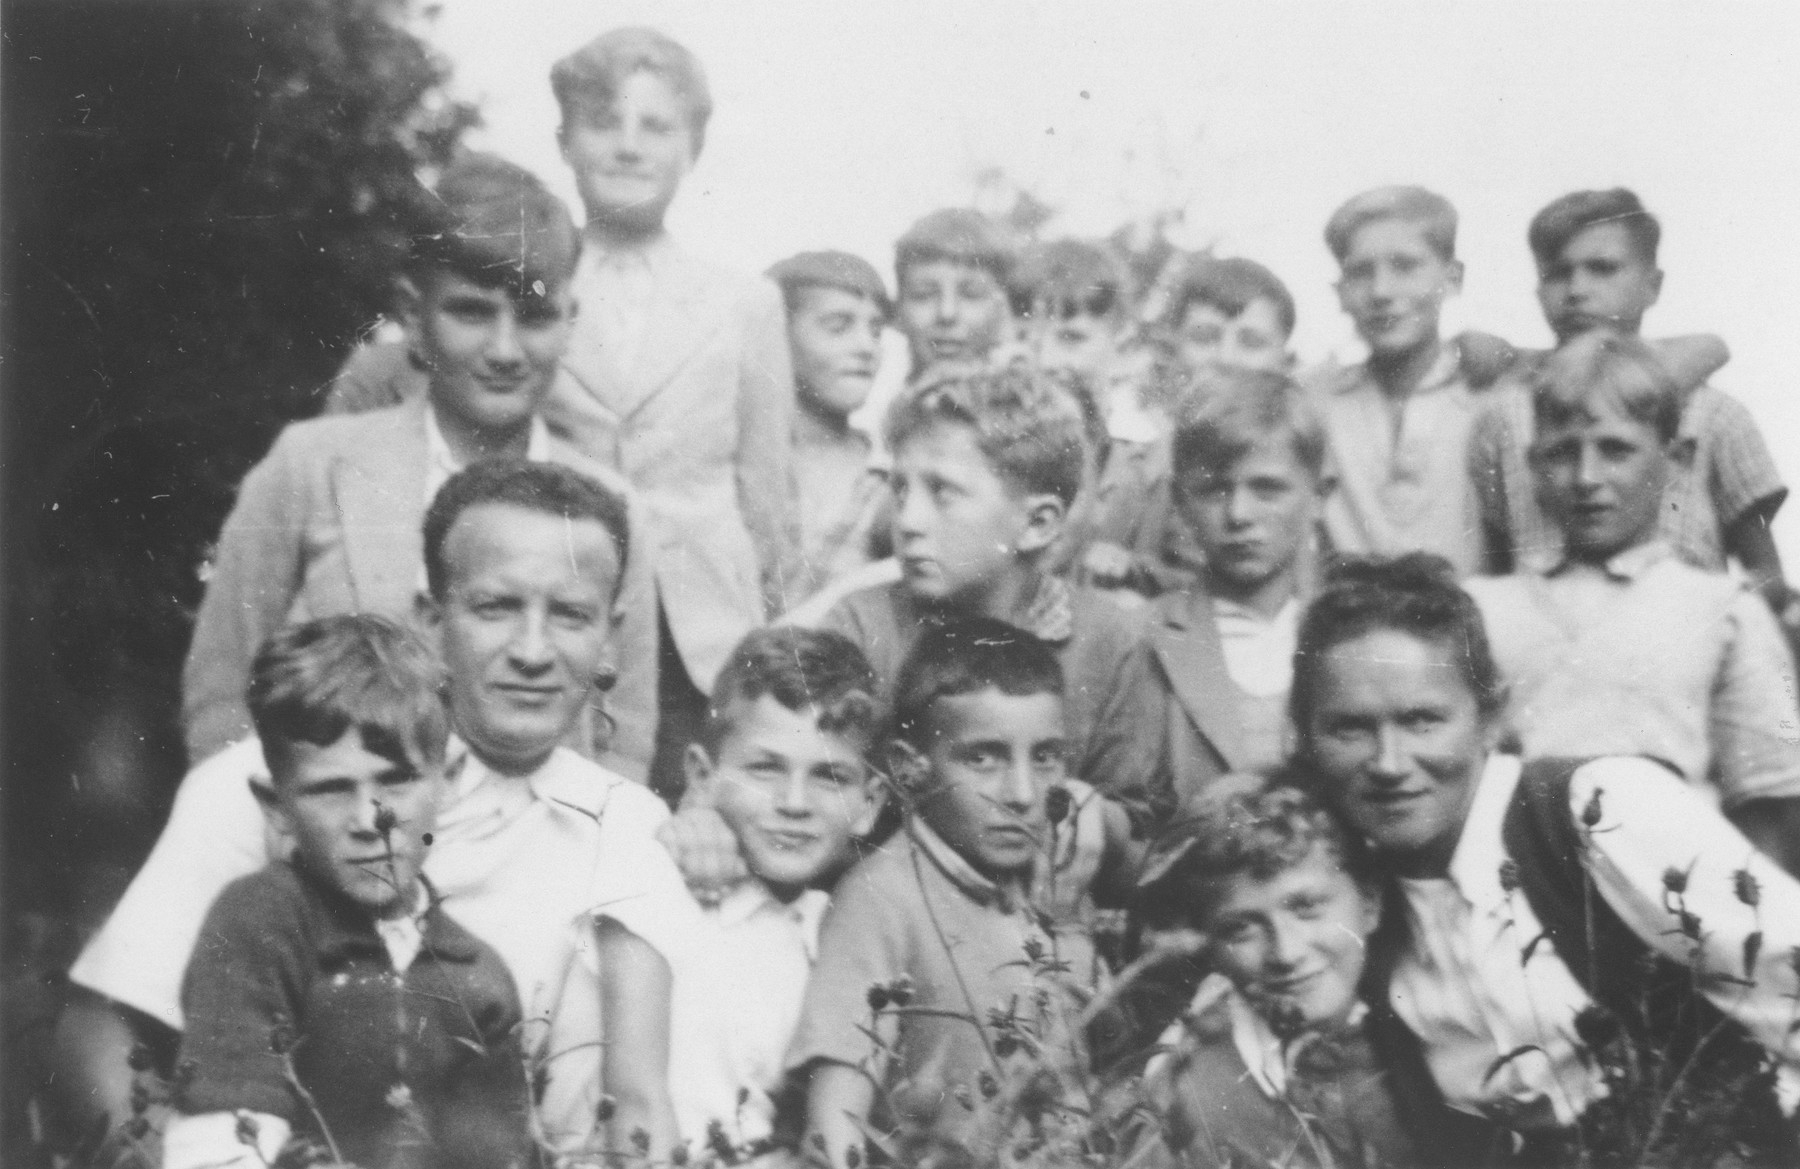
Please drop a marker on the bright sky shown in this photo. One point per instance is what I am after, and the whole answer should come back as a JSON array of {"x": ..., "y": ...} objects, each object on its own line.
[{"x": 837, "y": 124}]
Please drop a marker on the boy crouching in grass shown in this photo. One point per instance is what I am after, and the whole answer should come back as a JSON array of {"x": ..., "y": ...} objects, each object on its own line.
[
  {"x": 942, "y": 925},
  {"x": 330, "y": 997},
  {"x": 784, "y": 761},
  {"x": 1270, "y": 1064}
]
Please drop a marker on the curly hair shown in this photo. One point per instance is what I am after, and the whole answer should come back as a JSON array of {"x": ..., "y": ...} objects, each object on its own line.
[{"x": 1028, "y": 423}]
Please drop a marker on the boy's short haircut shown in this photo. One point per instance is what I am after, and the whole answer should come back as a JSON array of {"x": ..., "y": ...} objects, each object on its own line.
[
  {"x": 313, "y": 681},
  {"x": 1027, "y": 422},
  {"x": 1230, "y": 284},
  {"x": 1428, "y": 209},
  {"x": 1252, "y": 826},
  {"x": 1606, "y": 367},
  {"x": 966, "y": 655},
  {"x": 1067, "y": 278},
  {"x": 549, "y": 488},
  {"x": 495, "y": 224},
  {"x": 801, "y": 669},
  {"x": 1565, "y": 218},
  {"x": 840, "y": 270},
  {"x": 1229, "y": 411},
  {"x": 960, "y": 235},
  {"x": 587, "y": 81}
]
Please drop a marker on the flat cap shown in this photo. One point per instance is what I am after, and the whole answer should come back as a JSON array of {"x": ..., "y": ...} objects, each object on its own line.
[{"x": 831, "y": 270}]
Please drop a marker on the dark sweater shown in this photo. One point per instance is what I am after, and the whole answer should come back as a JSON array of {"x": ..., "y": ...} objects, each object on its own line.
[{"x": 420, "y": 1069}]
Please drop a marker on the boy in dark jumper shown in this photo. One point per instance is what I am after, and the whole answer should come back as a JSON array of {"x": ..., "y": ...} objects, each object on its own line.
[{"x": 330, "y": 996}]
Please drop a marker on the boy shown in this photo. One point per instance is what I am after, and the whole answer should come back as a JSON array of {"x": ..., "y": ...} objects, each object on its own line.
[
  {"x": 328, "y": 522},
  {"x": 677, "y": 373},
  {"x": 950, "y": 271},
  {"x": 1596, "y": 261},
  {"x": 1621, "y": 647},
  {"x": 330, "y": 995},
  {"x": 1399, "y": 423},
  {"x": 1213, "y": 668},
  {"x": 1074, "y": 299},
  {"x": 986, "y": 464},
  {"x": 947, "y": 906},
  {"x": 1271, "y": 881},
  {"x": 1220, "y": 314},
  {"x": 785, "y": 762},
  {"x": 837, "y": 308}
]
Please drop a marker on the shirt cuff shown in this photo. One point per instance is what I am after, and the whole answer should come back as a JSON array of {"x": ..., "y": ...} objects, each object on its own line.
[{"x": 218, "y": 1139}]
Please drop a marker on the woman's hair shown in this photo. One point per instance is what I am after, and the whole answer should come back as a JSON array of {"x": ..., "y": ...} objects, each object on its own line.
[
  {"x": 1251, "y": 825},
  {"x": 1416, "y": 594}
]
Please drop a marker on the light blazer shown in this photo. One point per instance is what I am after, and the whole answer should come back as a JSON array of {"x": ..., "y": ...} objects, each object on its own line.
[
  {"x": 701, "y": 423},
  {"x": 330, "y": 522},
  {"x": 1177, "y": 679}
]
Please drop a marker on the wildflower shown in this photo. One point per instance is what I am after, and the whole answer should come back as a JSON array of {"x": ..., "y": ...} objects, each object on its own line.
[
  {"x": 282, "y": 1037},
  {"x": 1034, "y": 949},
  {"x": 1590, "y": 815},
  {"x": 1596, "y": 1027},
  {"x": 604, "y": 1108},
  {"x": 1675, "y": 880},
  {"x": 990, "y": 1087},
  {"x": 1690, "y": 924},
  {"x": 137, "y": 1128},
  {"x": 678, "y": 1156},
  {"x": 1058, "y": 803},
  {"x": 1005, "y": 1045},
  {"x": 640, "y": 1140},
  {"x": 247, "y": 1129},
  {"x": 1509, "y": 875},
  {"x": 399, "y": 1097},
  {"x": 185, "y": 1071},
  {"x": 140, "y": 1099},
  {"x": 1743, "y": 883},
  {"x": 901, "y": 990},
  {"x": 385, "y": 820},
  {"x": 140, "y": 1058},
  {"x": 878, "y": 997},
  {"x": 853, "y": 1157}
]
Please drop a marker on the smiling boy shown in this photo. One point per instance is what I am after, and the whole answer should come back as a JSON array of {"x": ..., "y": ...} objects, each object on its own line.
[
  {"x": 785, "y": 763},
  {"x": 1399, "y": 423},
  {"x": 950, "y": 270},
  {"x": 1620, "y": 647},
  {"x": 345, "y": 945}
]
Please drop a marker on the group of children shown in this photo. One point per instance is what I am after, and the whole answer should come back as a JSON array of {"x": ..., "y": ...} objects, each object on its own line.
[{"x": 924, "y": 720}]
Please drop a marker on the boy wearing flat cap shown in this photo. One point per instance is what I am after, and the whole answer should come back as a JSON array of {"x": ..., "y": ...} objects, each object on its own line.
[{"x": 837, "y": 307}]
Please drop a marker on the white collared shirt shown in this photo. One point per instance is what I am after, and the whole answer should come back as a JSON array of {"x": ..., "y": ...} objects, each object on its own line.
[
  {"x": 1466, "y": 989},
  {"x": 614, "y": 288},
  {"x": 441, "y": 462},
  {"x": 737, "y": 996},
  {"x": 1258, "y": 650}
]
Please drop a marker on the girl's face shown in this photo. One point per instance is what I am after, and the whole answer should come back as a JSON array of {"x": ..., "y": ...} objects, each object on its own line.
[
  {"x": 1295, "y": 940},
  {"x": 1398, "y": 739}
]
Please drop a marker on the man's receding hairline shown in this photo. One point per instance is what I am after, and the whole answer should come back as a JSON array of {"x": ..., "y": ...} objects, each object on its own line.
[{"x": 612, "y": 541}]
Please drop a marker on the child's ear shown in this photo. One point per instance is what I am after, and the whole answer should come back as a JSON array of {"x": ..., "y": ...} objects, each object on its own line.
[
  {"x": 427, "y": 612},
  {"x": 875, "y": 791},
  {"x": 907, "y": 768},
  {"x": 270, "y": 803},
  {"x": 1044, "y": 516},
  {"x": 1681, "y": 450},
  {"x": 698, "y": 766},
  {"x": 1453, "y": 277}
]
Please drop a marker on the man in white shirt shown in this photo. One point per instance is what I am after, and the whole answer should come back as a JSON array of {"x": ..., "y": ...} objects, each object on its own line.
[{"x": 523, "y": 562}]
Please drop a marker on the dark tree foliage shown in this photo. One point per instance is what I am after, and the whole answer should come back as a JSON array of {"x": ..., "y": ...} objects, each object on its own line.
[{"x": 203, "y": 205}]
